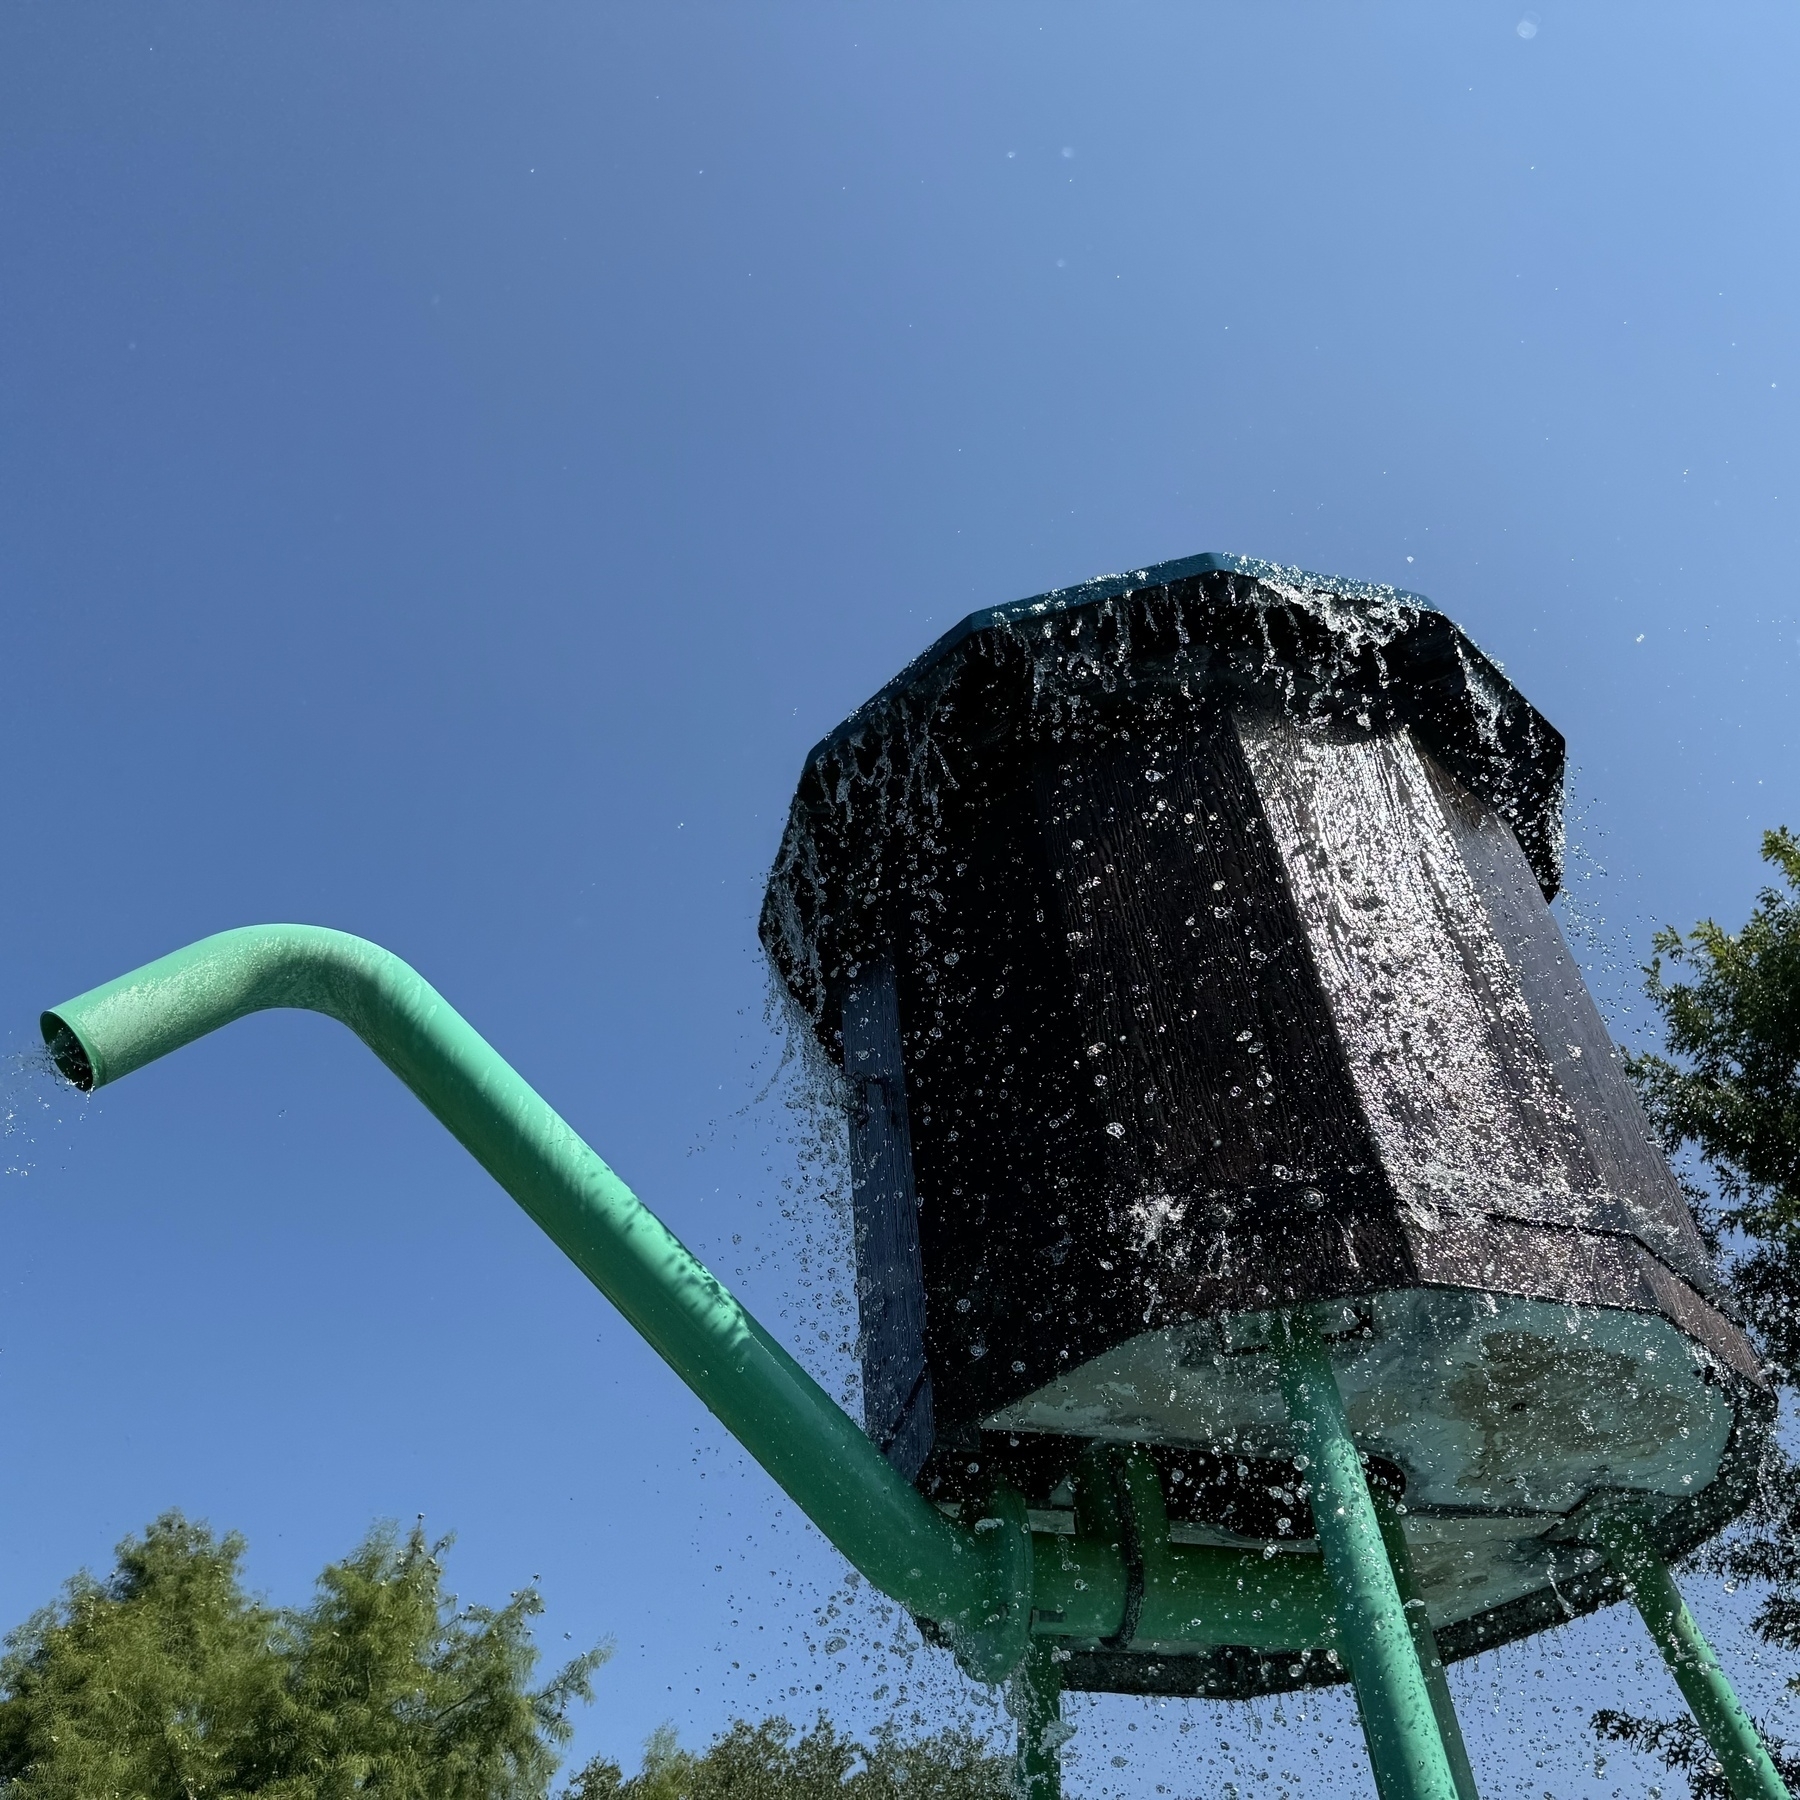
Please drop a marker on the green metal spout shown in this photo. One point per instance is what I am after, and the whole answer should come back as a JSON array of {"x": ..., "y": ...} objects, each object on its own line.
[
  {"x": 974, "y": 1585},
  {"x": 1194, "y": 1595}
]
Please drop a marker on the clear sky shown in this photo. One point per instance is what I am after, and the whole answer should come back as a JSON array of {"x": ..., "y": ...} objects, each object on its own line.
[{"x": 455, "y": 459}]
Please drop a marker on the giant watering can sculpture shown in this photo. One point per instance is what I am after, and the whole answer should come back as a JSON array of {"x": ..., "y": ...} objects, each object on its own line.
[{"x": 1227, "y": 1290}]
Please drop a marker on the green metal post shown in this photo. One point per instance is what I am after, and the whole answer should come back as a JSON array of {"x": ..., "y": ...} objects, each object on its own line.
[
  {"x": 1034, "y": 1698},
  {"x": 1388, "y": 1511},
  {"x": 976, "y": 1585},
  {"x": 1399, "y": 1725},
  {"x": 1717, "y": 1710}
]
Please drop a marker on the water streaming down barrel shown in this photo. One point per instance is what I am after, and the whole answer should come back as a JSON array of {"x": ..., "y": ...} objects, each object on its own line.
[{"x": 1184, "y": 940}]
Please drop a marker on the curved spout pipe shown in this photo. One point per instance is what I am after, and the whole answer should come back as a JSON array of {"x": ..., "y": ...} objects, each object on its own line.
[{"x": 974, "y": 1585}]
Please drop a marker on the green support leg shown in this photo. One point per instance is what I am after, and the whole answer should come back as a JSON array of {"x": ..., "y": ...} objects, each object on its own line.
[
  {"x": 1034, "y": 1698},
  {"x": 1393, "y": 1535},
  {"x": 1405, "y": 1748},
  {"x": 1716, "y": 1708}
]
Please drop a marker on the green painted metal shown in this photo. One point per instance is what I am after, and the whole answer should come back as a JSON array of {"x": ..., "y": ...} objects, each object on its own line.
[
  {"x": 1405, "y": 1747},
  {"x": 1717, "y": 1710},
  {"x": 975, "y": 1585},
  {"x": 978, "y": 1586},
  {"x": 1034, "y": 1698},
  {"x": 1388, "y": 1512},
  {"x": 1194, "y": 1595}
]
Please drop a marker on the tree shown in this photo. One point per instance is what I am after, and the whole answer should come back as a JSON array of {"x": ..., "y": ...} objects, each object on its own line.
[
  {"x": 1728, "y": 1093},
  {"x": 1734, "y": 1096},
  {"x": 168, "y": 1682},
  {"x": 769, "y": 1762}
]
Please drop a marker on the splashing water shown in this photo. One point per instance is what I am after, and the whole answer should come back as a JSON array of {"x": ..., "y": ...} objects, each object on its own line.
[
  {"x": 888, "y": 854},
  {"x": 36, "y": 1101}
]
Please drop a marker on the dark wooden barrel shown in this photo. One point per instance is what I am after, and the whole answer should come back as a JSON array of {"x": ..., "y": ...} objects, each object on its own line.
[{"x": 1184, "y": 942}]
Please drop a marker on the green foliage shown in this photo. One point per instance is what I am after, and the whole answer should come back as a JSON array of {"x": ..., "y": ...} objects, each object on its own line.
[
  {"x": 1730, "y": 1088},
  {"x": 167, "y": 1682},
  {"x": 1728, "y": 1091},
  {"x": 1734, "y": 1098},
  {"x": 1681, "y": 1747},
  {"x": 769, "y": 1762},
  {"x": 157, "y": 1682}
]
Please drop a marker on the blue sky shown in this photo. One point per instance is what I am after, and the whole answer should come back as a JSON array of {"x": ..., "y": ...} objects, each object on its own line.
[{"x": 455, "y": 459}]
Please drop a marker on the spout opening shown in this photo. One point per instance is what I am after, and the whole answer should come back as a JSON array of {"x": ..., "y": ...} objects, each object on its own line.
[{"x": 68, "y": 1052}]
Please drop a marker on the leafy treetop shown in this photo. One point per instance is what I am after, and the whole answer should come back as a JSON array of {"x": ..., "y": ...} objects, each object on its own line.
[
  {"x": 167, "y": 1682},
  {"x": 1728, "y": 1091},
  {"x": 769, "y": 1762}
]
